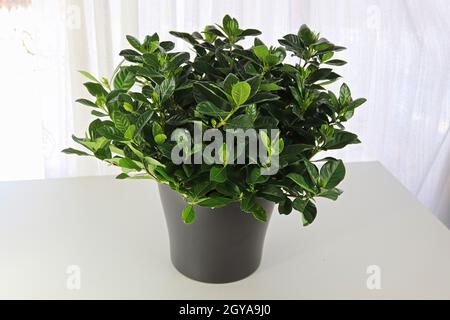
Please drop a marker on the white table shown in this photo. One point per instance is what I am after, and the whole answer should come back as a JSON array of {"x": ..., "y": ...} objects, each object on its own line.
[{"x": 115, "y": 232}]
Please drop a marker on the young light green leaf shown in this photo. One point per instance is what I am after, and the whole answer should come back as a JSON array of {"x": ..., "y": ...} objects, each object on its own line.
[
  {"x": 262, "y": 52},
  {"x": 188, "y": 215},
  {"x": 89, "y": 76},
  {"x": 241, "y": 93}
]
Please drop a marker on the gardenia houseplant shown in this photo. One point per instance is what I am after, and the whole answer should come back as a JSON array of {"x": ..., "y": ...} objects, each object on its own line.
[{"x": 153, "y": 118}]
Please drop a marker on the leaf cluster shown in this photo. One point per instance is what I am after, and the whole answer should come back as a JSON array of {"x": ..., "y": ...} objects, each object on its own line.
[{"x": 157, "y": 90}]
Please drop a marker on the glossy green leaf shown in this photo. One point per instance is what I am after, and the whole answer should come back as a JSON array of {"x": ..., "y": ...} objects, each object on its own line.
[
  {"x": 308, "y": 210},
  {"x": 135, "y": 43},
  {"x": 240, "y": 93},
  {"x": 332, "y": 173},
  {"x": 218, "y": 174},
  {"x": 124, "y": 80},
  {"x": 301, "y": 181},
  {"x": 121, "y": 121},
  {"x": 166, "y": 89},
  {"x": 74, "y": 151},
  {"x": 285, "y": 207},
  {"x": 188, "y": 215},
  {"x": 208, "y": 108}
]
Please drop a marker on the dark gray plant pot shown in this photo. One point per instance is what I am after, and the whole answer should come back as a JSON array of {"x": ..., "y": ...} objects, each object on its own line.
[{"x": 223, "y": 245}]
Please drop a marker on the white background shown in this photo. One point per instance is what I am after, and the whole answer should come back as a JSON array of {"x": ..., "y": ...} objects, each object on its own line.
[{"x": 398, "y": 53}]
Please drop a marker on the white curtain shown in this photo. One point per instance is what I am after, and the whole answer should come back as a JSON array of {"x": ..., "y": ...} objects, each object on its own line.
[{"x": 398, "y": 53}]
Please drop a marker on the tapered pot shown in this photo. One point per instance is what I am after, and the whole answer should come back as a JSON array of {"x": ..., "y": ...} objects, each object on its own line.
[{"x": 222, "y": 245}]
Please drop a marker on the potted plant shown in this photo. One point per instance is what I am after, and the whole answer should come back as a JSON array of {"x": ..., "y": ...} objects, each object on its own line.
[{"x": 218, "y": 200}]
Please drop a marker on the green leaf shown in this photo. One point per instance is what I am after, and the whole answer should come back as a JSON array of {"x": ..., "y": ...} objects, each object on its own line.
[
  {"x": 271, "y": 193},
  {"x": 185, "y": 36},
  {"x": 135, "y": 43},
  {"x": 252, "y": 112},
  {"x": 188, "y": 215},
  {"x": 332, "y": 173},
  {"x": 160, "y": 138},
  {"x": 261, "y": 97},
  {"x": 336, "y": 62},
  {"x": 157, "y": 129},
  {"x": 122, "y": 176},
  {"x": 312, "y": 171},
  {"x": 218, "y": 174},
  {"x": 356, "y": 103},
  {"x": 228, "y": 189},
  {"x": 151, "y": 59},
  {"x": 124, "y": 80},
  {"x": 178, "y": 60},
  {"x": 203, "y": 92},
  {"x": 308, "y": 210},
  {"x": 260, "y": 214},
  {"x": 265, "y": 139},
  {"x": 110, "y": 132},
  {"x": 151, "y": 43},
  {"x": 129, "y": 134},
  {"x": 121, "y": 121},
  {"x": 345, "y": 95},
  {"x": 308, "y": 37},
  {"x": 340, "y": 140},
  {"x": 270, "y": 87},
  {"x": 89, "y": 76},
  {"x": 142, "y": 121},
  {"x": 199, "y": 190},
  {"x": 98, "y": 114},
  {"x": 249, "y": 205},
  {"x": 167, "y": 45},
  {"x": 166, "y": 89},
  {"x": 230, "y": 26},
  {"x": 128, "y": 107},
  {"x": 250, "y": 32},
  {"x": 153, "y": 162},
  {"x": 301, "y": 181},
  {"x": 242, "y": 121},
  {"x": 208, "y": 108},
  {"x": 128, "y": 164},
  {"x": 319, "y": 74},
  {"x": 87, "y": 103},
  {"x": 224, "y": 154},
  {"x": 74, "y": 151},
  {"x": 255, "y": 176},
  {"x": 254, "y": 83},
  {"x": 95, "y": 89},
  {"x": 285, "y": 206},
  {"x": 262, "y": 52},
  {"x": 332, "y": 194},
  {"x": 241, "y": 93},
  {"x": 215, "y": 202},
  {"x": 229, "y": 82}
]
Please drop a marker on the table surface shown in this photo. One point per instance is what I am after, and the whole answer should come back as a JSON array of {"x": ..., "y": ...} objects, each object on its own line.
[{"x": 115, "y": 232}]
